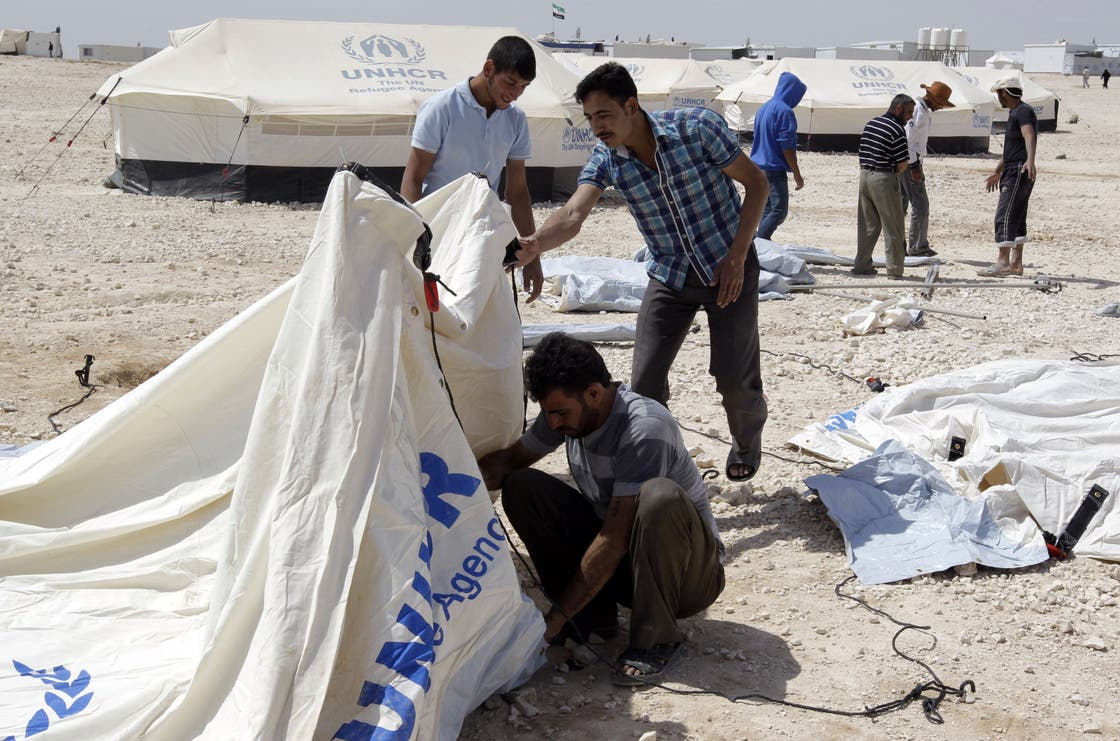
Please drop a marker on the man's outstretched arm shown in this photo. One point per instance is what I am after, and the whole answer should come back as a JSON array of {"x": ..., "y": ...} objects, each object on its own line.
[{"x": 562, "y": 225}]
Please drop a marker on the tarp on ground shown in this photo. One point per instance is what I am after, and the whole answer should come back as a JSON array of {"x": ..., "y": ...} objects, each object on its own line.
[
  {"x": 616, "y": 332},
  {"x": 1044, "y": 102},
  {"x": 283, "y": 103},
  {"x": 612, "y": 284},
  {"x": 662, "y": 83},
  {"x": 901, "y": 519},
  {"x": 843, "y": 95},
  {"x": 284, "y": 533},
  {"x": 1037, "y": 435}
]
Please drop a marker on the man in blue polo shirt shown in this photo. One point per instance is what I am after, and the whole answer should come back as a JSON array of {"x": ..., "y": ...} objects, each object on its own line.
[
  {"x": 474, "y": 127},
  {"x": 677, "y": 171}
]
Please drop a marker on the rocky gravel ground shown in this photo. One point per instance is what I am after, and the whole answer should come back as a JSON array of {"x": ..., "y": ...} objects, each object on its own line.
[{"x": 135, "y": 281}]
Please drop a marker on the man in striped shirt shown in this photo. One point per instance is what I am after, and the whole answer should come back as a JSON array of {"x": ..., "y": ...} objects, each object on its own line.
[{"x": 883, "y": 154}]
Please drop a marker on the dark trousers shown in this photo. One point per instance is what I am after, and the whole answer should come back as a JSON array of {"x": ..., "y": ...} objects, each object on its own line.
[
  {"x": 663, "y": 322},
  {"x": 1014, "y": 197},
  {"x": 673, "y": 569}
]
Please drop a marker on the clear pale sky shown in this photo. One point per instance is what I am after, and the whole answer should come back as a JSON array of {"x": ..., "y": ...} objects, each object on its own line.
[{"x": 990, "y": 25}]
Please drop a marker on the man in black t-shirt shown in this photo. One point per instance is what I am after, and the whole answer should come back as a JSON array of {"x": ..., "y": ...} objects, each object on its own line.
[{"x": 1014, "y": 176}]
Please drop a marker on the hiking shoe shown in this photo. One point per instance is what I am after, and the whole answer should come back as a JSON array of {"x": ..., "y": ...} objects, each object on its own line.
[
  {"x": 923, "y": 252},
  {"x": 864, "y": 273}
]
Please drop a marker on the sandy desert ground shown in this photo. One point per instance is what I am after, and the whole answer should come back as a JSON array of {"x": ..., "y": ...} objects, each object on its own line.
[{"x": 136, "y": 281}]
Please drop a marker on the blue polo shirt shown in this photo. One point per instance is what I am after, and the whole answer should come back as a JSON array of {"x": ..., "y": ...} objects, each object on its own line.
[
  {"x": 687, "y": 209},
  {"x": 453, "y": 126}
]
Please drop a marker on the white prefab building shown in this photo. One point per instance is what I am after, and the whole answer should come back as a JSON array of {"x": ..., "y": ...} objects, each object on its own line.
[
  {"x": 115, "y": 53},
  {"x": 267, "y": 110},
  {"x": 1057, "y": 57},
  {"x": 842, "y": 96}
]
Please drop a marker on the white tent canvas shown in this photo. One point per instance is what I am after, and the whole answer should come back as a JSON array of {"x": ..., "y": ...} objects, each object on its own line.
[
  {"x": 662, "y": 83},
  {"x": 843, "y": 95},
  {"x": 1044, "y": 102},
  {"x": 729, "y": 71},
  {"x": 283, "y": 103},
  {"x": 284, "y": 534}
]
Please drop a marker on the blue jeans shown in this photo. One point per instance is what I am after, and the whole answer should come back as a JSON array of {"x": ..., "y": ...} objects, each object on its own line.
[{"x": 777, "y": 205}]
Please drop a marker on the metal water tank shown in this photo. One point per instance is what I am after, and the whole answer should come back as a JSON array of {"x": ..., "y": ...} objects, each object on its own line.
[
  {"x": 958, "y": 39},
  {"x": 924, "y": 37},
  {"x": 939, "y": 38}
]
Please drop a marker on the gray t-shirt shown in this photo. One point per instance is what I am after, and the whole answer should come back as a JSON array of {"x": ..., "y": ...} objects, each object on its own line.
[{"x": 639, "y": 441}]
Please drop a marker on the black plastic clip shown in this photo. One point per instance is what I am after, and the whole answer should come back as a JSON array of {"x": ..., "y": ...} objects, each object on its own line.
[
  {"x": 876, "y": 384},
  {"x": 956, "y": 448}
]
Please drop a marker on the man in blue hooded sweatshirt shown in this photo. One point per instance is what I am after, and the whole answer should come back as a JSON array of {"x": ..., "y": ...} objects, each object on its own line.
[{"x": 774, "y": 149}]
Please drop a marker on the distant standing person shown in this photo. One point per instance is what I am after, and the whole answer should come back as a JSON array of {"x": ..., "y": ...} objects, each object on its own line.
[
  {"x": 914, "y": 179},
  {"x": 883, "y": 154},
  {"x": 774, "y": 149},
  {"x": 1014, "y": 176},
  {"x": 1084, "y": 77},
  {"x": 473, "y": 127},
  {"x": 1104, "y": 79}
]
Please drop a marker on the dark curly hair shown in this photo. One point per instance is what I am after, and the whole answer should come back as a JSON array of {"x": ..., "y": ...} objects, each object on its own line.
[
  {"x": 563, "y": 362},
  {"x": 610, "y": 78}
]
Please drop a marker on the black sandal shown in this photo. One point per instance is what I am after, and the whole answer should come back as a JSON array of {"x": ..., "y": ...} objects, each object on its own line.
[
  {"x": 740, "y": 460},
  {"x": 651, "y": 663}
]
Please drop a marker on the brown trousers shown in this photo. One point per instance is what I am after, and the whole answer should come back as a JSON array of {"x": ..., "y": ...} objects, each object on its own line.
[{"x": 673, "y": 570}]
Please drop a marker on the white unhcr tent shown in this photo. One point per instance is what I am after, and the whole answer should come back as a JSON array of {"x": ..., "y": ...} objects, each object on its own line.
[
  {"x": 266, "y": 109},
  {"x": 662, "y": 83},
  {"x": 843, "y": 95},
  {"x": 1044, "y": 102},
  {"x": 284, "y": 534}
]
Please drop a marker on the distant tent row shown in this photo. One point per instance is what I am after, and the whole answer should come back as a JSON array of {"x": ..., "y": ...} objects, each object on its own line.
[
  {"x": 843, "y": 96},
  {"x": 266, "y": 110}
]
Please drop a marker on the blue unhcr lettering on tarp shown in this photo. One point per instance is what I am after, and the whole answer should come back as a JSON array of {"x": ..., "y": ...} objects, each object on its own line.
[
  {"x": 58, "y": 679},
  {"x": 412, "y": 660},
  {"x": 841, "y": 421}
]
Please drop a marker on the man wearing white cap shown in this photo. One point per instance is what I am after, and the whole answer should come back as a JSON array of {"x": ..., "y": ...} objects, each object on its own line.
[
  {"x": 1014, "y": 176},
  {"x": 914, "y": 179}
]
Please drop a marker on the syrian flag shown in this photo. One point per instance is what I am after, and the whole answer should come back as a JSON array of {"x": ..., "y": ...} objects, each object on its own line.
[{"x": 557, "y": 11}]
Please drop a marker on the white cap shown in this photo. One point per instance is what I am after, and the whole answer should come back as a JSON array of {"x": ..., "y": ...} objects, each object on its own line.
[{"x": 1012, "y": 85}]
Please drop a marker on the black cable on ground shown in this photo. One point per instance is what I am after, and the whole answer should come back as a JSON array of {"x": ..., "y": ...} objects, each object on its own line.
[
  {"x": 50, "y": 417},
  {"x": 1088, "y": 357},
  {"x": 818, "y": 366}
]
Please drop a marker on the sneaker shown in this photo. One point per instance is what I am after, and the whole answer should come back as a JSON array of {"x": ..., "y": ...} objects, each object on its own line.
[
  {"x": 861, "y": 273},
  {"x": 923, "y": 252}
]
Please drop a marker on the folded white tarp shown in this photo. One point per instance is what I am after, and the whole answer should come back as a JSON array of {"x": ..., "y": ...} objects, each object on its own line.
[
  {"x": 533, "y": 333},
  {"x": 901, "y": 519},
  {"x": 1036, "y": 436},
  {"x": 819, "y": 256},
  {"x": 612, "y": 284},
  {"x": 284, "y": 533},
  {"x": 898, "y": 312}
]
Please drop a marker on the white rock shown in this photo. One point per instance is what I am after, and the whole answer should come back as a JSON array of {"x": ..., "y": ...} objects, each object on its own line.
[
  {"x": 648, "y": 736},
  {"x": 1094, "y": 642}
]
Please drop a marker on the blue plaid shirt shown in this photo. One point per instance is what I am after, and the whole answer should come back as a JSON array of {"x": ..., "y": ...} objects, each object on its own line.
[{"x": 687, "y": 209}]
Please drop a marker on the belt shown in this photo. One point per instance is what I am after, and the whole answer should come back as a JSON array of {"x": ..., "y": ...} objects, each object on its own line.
[{"x": 873, "y": 169}]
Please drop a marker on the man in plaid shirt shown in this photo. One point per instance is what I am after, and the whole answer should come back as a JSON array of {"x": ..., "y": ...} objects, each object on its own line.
[{"x": 677, "y": 171}]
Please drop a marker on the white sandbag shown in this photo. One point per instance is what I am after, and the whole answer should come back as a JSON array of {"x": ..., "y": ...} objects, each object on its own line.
[
  {"x": 284, "y": 533},
  {"x": 899, "y": 312}
]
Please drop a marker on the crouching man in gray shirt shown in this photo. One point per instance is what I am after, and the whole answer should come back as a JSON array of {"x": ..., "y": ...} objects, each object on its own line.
[{"x": 638, "y": 531}]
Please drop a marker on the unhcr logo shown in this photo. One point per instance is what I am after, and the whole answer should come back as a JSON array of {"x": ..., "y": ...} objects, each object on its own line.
[
  {"x": 635, "y": 70},
  {"x": 873, "y": 73},
  {"x": 378, "y": 49},
  {"x": 876, "y": 79},
  {"x": 392, "y": 62}
]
